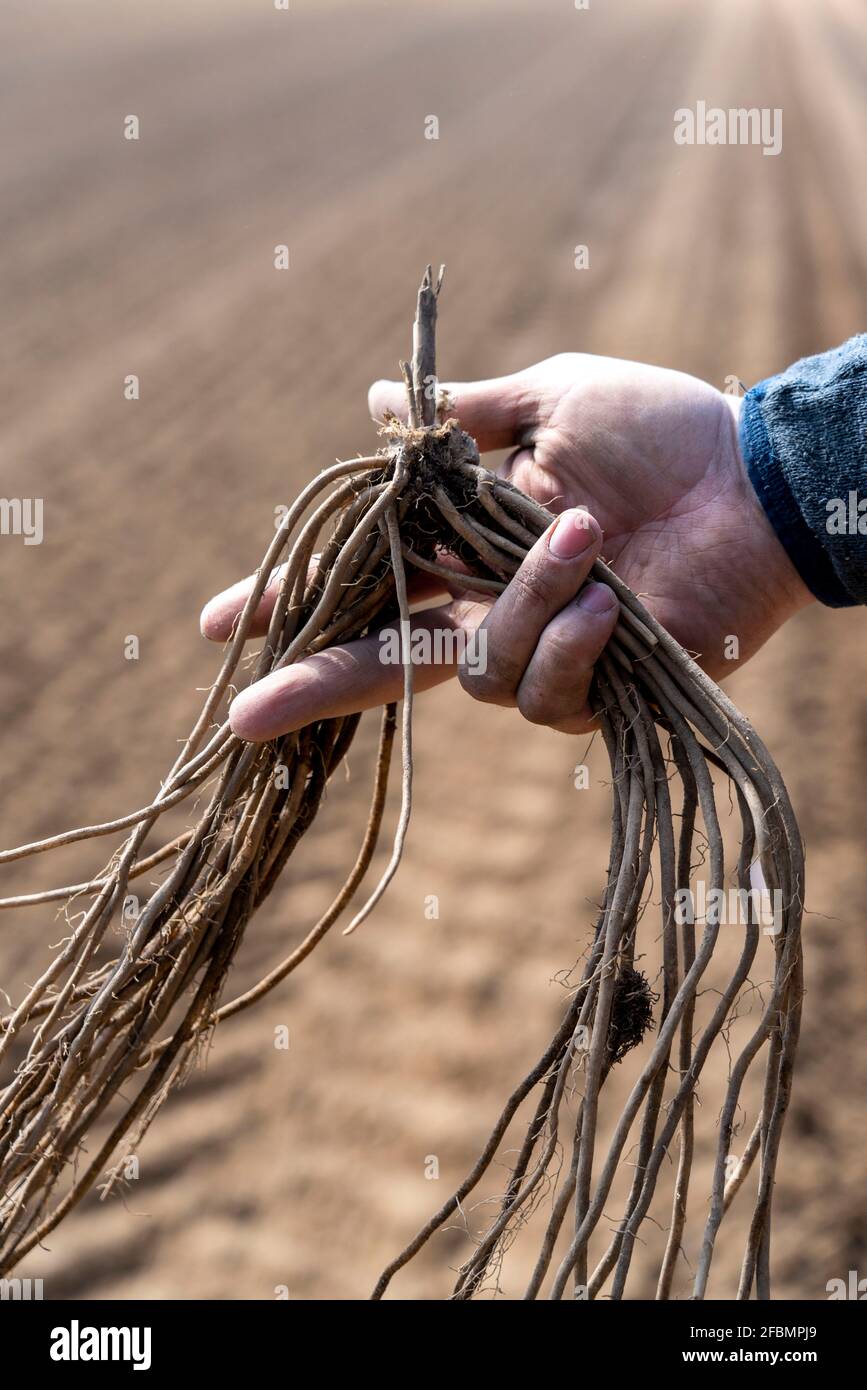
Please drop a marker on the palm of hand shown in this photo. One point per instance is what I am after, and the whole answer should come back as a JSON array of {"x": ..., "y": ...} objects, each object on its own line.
[{"x": 653, "y": 455}]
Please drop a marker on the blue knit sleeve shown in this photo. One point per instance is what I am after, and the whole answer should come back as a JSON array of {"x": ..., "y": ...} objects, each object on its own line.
[{"x": 804, "y": 439}]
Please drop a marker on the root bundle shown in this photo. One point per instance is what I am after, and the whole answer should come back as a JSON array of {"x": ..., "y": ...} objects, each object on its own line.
[{"x": 95, "y": 1042}]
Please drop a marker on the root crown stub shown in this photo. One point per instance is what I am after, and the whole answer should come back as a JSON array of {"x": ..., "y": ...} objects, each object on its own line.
[
  {"x": 111, "y": 1037},
  {"x": 437, "y": 456}
]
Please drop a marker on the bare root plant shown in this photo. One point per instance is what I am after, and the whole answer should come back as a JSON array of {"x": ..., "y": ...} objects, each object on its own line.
[{"x": 123, "y": 1033}]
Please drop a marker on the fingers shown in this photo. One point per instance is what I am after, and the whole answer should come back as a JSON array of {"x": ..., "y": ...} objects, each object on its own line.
[
  {"x": 550, "y": 575},
  {"x": 497, "y": 413},
  {"x": 353, "y": 677},
  {"x": 555, "y": 685},
  {"x": 540, "y": 643},
  {"x": 220, "y": 613},
  {"x": 534, "y": 649},
  {"x": 524, "y": 469}
]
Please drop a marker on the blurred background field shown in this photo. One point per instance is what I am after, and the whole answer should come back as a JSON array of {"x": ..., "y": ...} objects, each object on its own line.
[{"x": 306, "y": 1168}]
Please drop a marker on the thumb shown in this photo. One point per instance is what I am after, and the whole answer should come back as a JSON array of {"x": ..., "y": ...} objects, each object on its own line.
[{"x": 498, "y": 413}]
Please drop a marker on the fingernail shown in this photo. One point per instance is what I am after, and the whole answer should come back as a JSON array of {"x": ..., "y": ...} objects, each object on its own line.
[
  {"x": 572, "y": 535},
  {"x": 596, "y": 598}
]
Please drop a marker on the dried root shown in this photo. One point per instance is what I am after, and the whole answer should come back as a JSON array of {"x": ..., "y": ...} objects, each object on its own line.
[{"x": 94, "y": 1035}]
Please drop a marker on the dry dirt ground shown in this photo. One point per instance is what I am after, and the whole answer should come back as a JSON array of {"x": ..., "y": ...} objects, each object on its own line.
[{"x": 307, "y": 1168}]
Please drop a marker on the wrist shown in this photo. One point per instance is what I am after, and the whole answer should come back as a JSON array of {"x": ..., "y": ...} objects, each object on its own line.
[{"x": 780, "y": 576}]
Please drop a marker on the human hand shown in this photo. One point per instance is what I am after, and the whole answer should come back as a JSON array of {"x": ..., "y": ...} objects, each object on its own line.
[{"x": 653, "y": 456}]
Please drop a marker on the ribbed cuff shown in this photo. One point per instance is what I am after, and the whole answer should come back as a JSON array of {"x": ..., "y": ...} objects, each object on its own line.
[{"x": 802, "y": 546}]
